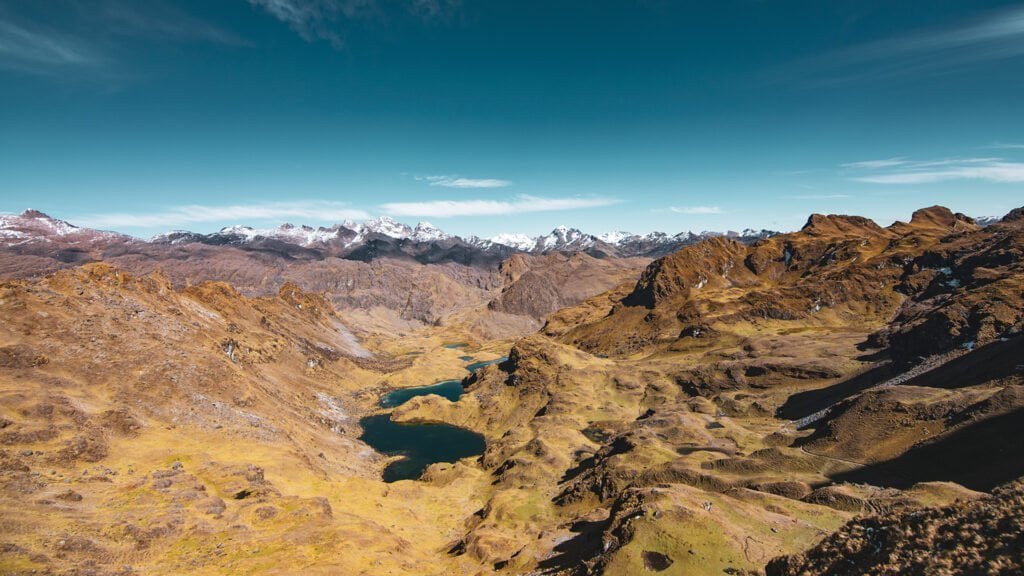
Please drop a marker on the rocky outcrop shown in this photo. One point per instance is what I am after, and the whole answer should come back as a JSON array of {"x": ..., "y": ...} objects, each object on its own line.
[
  {"x": 536, "y": 286},
  {"x": 983, "y": 536},
  {"x": 965, "y": 291},
  {"x": 948, "y": 282}
]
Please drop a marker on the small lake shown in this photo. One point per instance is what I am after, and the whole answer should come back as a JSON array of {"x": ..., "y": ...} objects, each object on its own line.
[
  {"x": 478, "y": 365},
  {"x": 450, "y": 389},
  {"x": 420, "y": 445}
]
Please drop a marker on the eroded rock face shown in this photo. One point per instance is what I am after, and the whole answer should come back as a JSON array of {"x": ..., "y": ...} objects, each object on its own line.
[
  {"x": 536, "y": 286},
  {"x": 947, "y": 281},
  {"x": 963, "y": 292}
]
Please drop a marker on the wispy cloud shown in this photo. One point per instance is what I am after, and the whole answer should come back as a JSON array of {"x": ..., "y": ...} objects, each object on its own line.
[
  {"x": 460, "y": 182},
  {"x": 1005, "y": 146},
  {"x": 996, "y": 35},
  {"x": 518, "y": 205},
  {"x": 312, "y": 19},
  {"x": 696, "y": 209},
  {"x": 325, "y": 19},
  {"x": 160, "y": 19},
  {"x": 92, "y": 36},
  {"x": 931, "y": 171},
  {"x": 875, "y": 164},
  {"x": 30, "y": 49},
  {"x": 818, "y": 196},
  {"x": 309, "y": 211}
]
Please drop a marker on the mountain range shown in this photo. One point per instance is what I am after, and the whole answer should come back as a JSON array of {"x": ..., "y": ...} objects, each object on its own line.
[{"x": 372, "y": 238}]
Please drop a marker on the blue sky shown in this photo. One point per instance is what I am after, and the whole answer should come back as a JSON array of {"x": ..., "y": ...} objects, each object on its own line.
[{"x": 508, "y": 116}]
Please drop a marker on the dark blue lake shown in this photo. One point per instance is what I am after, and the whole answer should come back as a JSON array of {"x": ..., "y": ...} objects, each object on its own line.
[
  {"x": 450, "y": 389},
  {"x": 420, "y": 444}
]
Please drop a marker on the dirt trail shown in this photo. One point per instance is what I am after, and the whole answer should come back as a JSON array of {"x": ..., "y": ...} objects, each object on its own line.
[{"x": 929, "y": 364}]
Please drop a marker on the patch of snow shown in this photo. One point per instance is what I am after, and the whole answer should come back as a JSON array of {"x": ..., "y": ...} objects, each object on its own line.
[
  {"x": 247, "y": 232},
  {"x": 563, "y": 237},
  {"x": 182, "y": 236},
  {"x": 427, "y": 232},
  {"x": 479, "y": 242},
  {"x": 615, "y": 238},
  {"x": 300, "y": 235},
  {"x": 517, "y": 241},
  {"x": 33, "y": 225},
  {"x": 12, "y": 234},
  {"x": 388, "y": 227},
  {"x": 661, "y": 237},
  {"x": 58, "y": 227}
]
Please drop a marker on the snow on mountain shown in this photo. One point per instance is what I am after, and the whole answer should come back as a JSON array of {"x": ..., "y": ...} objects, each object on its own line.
[
  {"x": 173, "y": 237},
  {"x": 615, "y": 238},
  {"x": 387, "y": 227},
  {"x": 34, "y": 219},
  {"x": 33, "y": 225},
  {"x": 517, "y": 241},
  {"x": 247, "y": 232},
  {"x": 563, "y": 238},
  {"x": 751, "y": 233},
  {"x": 10, "y": 236},
  {"x": 427, "y": 232},
  {"x": 299, "y": 235}
]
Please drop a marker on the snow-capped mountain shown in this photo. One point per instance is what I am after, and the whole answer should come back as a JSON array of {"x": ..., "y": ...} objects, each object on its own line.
[
  {"x": 427, "y": 232},
  {"x": 618, "y": 243},
  {"x": 32, "y": 226},
  {"x": 384, "y": 226},
  {"x": 517, "y": 241},
  {"x": 370, "y": 239},
  {"x": 347, "y": 233},
  {"x": 301, "y": 235},
  {"x": 614, "y": 238}
]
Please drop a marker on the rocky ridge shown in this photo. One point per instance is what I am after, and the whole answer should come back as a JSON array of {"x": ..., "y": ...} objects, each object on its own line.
[{"x": 381, "y": 274}]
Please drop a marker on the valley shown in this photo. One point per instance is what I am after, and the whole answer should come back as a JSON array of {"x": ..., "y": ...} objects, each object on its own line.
[{"x": 731, "y": 406}]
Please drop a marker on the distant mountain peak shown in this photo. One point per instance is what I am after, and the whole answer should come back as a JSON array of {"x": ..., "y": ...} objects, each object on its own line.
[
  {"x": 614, "y": 238},
  {"x": 35, "y": 226},
  {"x": 427, "y": 232},
  {"x": 517, "y": 241},
  {"x": 33, "y": 213},
  {"x": 387, "y": 226}
]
